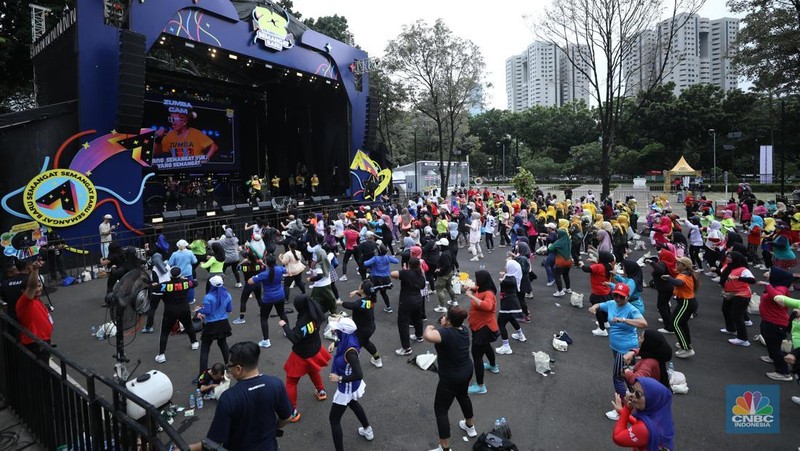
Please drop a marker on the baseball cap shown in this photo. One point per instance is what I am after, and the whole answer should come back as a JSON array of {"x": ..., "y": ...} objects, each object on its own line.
[
  {"x": 107, "y": 217},
  {"x": 443, "y": 242},
  {"x": 216, "y": 281},
  {"x": 622, "y": 289},
  {"x": 550, "y": 225},
  {"x": 344, "y": 324}
]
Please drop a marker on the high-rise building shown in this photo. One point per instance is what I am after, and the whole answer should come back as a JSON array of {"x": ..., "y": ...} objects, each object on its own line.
[
  {"x": 693, "y": 50},
  {"x": 544, "y": 75}
]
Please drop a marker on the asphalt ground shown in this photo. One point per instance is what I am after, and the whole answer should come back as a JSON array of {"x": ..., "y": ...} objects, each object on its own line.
[{"x": 564, "y": 410}]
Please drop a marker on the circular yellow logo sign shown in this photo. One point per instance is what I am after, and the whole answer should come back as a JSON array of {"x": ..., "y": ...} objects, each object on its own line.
[{"x": 60, "y": 197}]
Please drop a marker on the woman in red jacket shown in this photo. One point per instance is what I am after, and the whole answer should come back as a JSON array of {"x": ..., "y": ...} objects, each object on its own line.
[
  {"x": 654, "y": 353},
  {"x": 483, "y": 323},
  {"x": 599, "y": 276},
  {"x": 736, "y": 297},
  {"x": 775, "y": 322},
  {"x": 645, "y": 417}
]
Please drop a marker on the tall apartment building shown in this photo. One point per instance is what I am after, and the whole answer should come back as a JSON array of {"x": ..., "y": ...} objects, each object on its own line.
[
  {"x": 700, "y": 51},
  {"x": 543, "y": 75}
]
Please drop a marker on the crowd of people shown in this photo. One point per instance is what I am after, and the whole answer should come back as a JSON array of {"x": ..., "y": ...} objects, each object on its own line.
[{"x": 418, "y": 244}]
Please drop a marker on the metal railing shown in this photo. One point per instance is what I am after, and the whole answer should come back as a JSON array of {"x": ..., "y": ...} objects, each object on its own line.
[{"x": 62, "y": 405}]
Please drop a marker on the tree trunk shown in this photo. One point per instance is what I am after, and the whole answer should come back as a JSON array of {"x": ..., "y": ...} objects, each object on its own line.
[{"x": 605, "y": 157}]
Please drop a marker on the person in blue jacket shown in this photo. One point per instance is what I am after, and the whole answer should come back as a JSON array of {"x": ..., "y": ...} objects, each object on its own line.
[
  {"x": 379, "y": 271},
  {"x": 183, "y": 258},
  {"x": 217, "y": 304},
  {"x": 271, "y": 280}
]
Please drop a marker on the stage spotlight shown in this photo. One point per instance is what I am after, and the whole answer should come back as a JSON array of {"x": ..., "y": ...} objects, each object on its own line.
[
  {"x": 233, "y": 57},
  {"x": 268, "y": 66},
  {"x": 157, "y": 220},
  {"x": 301, "y": 203},
  {"x": 328, "y": 81},
  {"x": 299, "y": 74},
  {"x": 189, "y": 44},
  {"x": 211, "y": 213}
]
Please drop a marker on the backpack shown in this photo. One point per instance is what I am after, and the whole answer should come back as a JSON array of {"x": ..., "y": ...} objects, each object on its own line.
[{"x": 489, "y": 442}]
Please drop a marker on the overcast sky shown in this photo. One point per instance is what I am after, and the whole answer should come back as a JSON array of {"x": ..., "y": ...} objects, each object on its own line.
[{"x": 499, "y": 32}]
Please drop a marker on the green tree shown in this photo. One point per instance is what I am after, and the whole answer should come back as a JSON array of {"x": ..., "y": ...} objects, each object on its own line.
[
  {"x": 334, "y": 26},
  {"x": 441, "y": 72},
  {"x": 524, "y": 183}
]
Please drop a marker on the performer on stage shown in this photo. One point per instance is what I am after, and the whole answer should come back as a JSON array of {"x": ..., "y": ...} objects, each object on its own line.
[
  {"x": 292, "y": 181},
  {"x": 314, "y": 183},
  {"x": 208, "y": 189},
  {"x": 255, "y": 188},
  {"x": 172, "y": 193},
  {"x": 276, "y": 185},
  {"x": 300, "y": 183}
]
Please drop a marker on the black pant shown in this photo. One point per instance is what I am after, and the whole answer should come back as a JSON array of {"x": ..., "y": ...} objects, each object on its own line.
[
  {"x": 773, "y": 336},
  {"x": 683, "y": 312},
  {"x": 178, "y": 311},
  {"x": 266, "y": 309},
  {"x": 446, "y": 392},
  {"x": 246, "y": 291},
  {"x": 363, "y": 336},
  {"x": 502, "y": 320},
  {"x": 694, "y": 254},
  {"x": 478, "y": 351},
  {"x": 233, "y": 267},
  {"x": 575, "y": 250},
  {"x": 504, "y": 239},
  {"x": 205, "y": 348},
  {"x": 712, "y": 257},
  {"x": 298, "y": 281},
  {"x": 151, "y": 314},
  {"x": 489, "y": 241},
  {"x": 600, "y": 315},
  {"x": 733, "y": 311},
  {"x": 347, "y": 254},
  {"x": 664, "y": 296},
  {"x": 522, "y": 302},
  {"x": 559, "y": 272},
  {"x": 408, "y": 314},
  {"x": 335, "y": 418}
]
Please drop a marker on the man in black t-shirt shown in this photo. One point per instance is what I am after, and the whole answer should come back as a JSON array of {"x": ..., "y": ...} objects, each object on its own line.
[
  {"x": 249, "y": 415},
  {"x": 13, "y": 285}
]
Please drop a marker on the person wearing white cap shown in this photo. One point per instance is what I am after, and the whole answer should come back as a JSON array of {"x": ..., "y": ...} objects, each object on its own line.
[
  {"x": 217, "y": 304},
  {"x": 183, "y": 258},
  {"x": 106, "y": 228},
  {"x": 347, "y": 373}
]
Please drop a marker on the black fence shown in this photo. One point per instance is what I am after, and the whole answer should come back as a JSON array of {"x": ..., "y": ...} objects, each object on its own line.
[{"x": 64, "y": 407}]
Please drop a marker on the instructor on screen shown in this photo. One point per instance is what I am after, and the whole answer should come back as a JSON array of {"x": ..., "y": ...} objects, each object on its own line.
[{"x": 182, "y": 140}]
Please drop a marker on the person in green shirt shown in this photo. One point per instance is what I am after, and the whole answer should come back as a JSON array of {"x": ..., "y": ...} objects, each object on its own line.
[
  {"x": 214, "y": 263},
  {"x": 198, "y": 248},
  {"x": 792, "y": 303}
]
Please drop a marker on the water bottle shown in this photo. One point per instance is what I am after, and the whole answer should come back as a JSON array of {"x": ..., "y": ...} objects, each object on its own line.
[
  {"x": 503, "y": 421},
  {"x": 496, "y": 423},
  {"x": 670, "y": 369},
  {"x": 199, "y": 399},
  {"x": 191, "y": 401},
  {"x": 93, "y": 331},
  {"x": 483, "y": 267},
  {"x": 101, "y": 334}
]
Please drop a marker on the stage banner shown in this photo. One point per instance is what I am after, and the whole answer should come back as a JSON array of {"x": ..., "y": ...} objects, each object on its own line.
[{"x": 765, "y": 168}]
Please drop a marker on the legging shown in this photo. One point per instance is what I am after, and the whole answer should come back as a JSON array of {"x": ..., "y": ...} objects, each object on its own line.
[
  {"x": 175, "y": 311},
  {"x": 504, "y": 239},
  {"x": 363, "y": 339},
  {"x": 347, "y": 254},
  {"x": 575, "y": 250},
  {"x": 600, "y": 315},
  {"x": 266, "y": 309},
  {"x": 291, "y": 385},
  {"x": 246, "y": 291},
  {"x": 617, "y": 375},
  {"x": 523, "y": 303},
  {"x": 478, "y": 351},
  {"x": 767, "y": 256},
  {"x": 335, "y": 418},
  {"x": 502, "y": 320},
  {"x": 559, "y": 273},
  {"x": 683, "y": 312},
  {"x": 205, "y": 347},
  {"x": 489, "y": 240},
  {"x": 151, "y": 314},
  {"x": 752, "y": 251},
  {"x": 408, "y": 315},
  {"x": 446, "y": 392},
  {"x": 733, "y": 311},
  {"x": 298, "y": 281},
  {"x": 664, "y": 296},
  {"x": 382, "y": 281},
  {"x": 712, "y": 257},
  {"x": 694, "y": 254},
  {"x": 549, "y": 263},
  {"x": 773, "y": 336},
  {"x": 233, "y": 267}
]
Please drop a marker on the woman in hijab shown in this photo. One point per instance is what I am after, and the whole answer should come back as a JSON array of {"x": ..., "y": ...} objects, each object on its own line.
[
  {"x": 230, "y": 244},
  {"x": 307, "y": 356},
  {"x": 662, "y": 230},
  {"x": 715, "y": 245},
  {"x": 634, "y": 278},
  {"x": 510, "y": 306},
  {"x": 666, "y": 264},
  {"x": 654, "y": 352},
  {"x": 604, "y": 241},
  {"x": 525, "y": 290},
  {"x": 257, "y": 245},
  {"x": 782, "y": 254},
  {"x": 483, "y": 324},
  {"x": 561, "y": 248},
  {"x": 754, "y": 240},
  {"x": 599, "y": 276},
  {"x": 775, "y": 322},
  {"x": 736, "y": 297},
  {"x": 162, "y": 244},
  {"x": 217, "y": 304},
  {"x": 645, "y": 417},
  {"x": 159, "y": 274},
  {"x": 347, "y": 373}
]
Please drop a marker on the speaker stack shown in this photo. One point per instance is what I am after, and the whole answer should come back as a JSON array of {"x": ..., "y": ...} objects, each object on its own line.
[{"x": 130, "y": 98}]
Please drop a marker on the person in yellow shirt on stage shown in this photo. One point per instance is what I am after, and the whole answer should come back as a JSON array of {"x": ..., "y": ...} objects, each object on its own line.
[
  {"x": 314, "y": 183},
  {"x": 276, "y": 185},
  {"x": 182, "y": 140},
  {"x": 300, "y": 183}
]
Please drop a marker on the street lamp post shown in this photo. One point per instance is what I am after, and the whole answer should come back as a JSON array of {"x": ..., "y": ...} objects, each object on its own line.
[
  {"x": 503, "y": 143},
  {"x": 714, "y": 136}
]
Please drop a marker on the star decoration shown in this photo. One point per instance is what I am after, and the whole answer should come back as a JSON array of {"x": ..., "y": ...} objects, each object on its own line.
[
  {"x": 113, "y": 132},
  {"x": 85, "y": 145},
  {"x": 88, "y": 173}
]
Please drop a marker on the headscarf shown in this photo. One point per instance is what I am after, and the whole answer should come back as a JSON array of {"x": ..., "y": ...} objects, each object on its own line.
[
  {"x": 408, "y": 242},
  {"x": 307, "y": 310},
  {"x": 416, "y": 252},
  {"x": 655, "y": 346},
  {"x": 523, "y": 249},
  {"x": 345, "y": 330},
  {"x": 779, "y": 277},
  {"x": 563, "y": 224},
  {"x": 158, "y": 263},
  {"x": 634, "y": 271},
  {"x": 131, "y": 260},
  {"x": 738, "y": 260},
  {"x": 605, "y": 245},
  {"x": 218, "y": 250},
  {"x": 657, "y": 414},
  {"x": 162, "y": 244},
  {"x": 515, "y": 270},
  {"x": 668, "y": 257},
  {"x": 484, "y": 281},
  {"x": 452, "y": 227},
  {"x": 769, "y": 225},
  {"x": 756, "y": 220},
  {"x": 562, "y": 245}
]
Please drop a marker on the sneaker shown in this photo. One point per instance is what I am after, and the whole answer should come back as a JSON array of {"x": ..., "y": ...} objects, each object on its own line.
[
  {"x": 470, "y": 430},
  {"x": 709, "y": 274},
  {"x": 344, "y": 279},
  {"x": 238, "y": 285},
  {"x": 161, "y": 358},
  {"x": 402, "y": 351},
  {"x": 684, "y": 353},
  {"x": 295, "y": 417},
  {"x": 377, "y": 362},
  {"x": 366, "y": 433},
  {"x": 665, "y": 331},
  {"x": 474, "y": 259},
  {"x": 612, "y": 415},
  {"x": 239, "y": 321},
  {"x": 681, "y": 389},
  {"x": 192, "y": 301},
  {"x": 440, "y": 309},
  {"x": 715, "y": 279},
  {"x": 294, "y": 284},
  {"x": 195, "y": 346},
  {"x": 492, "y": 369},
  {"x": 748, "y": 323},
  {"x": 568, "y": 291},
  {"x": 559, "y": 293},
  {"x": 505, "y": 349},
  {"x": 796, "y": 400},
  {"x": 608, "y": 326},
  {"x": 475, "y": 389},
  {"x": 550, "y": 284},
  {"x": 780, "y": 377},
  {"x": 388, "y": 310},
  {"x": 737, "y": 342},
  {"x": 321, "y": 395},
  {"x": 661, "y": 320},
  {"x": 264, "y": 343},
  {"x": 529, "y": 295},
  {"x": 415, "y": 338},
  {"x": 600, "y": 332},
  {"x": 727, "y": 332},
  {"x": 147, "y": 330},
  {"x": 519, "y": 336},
  {"x": 766, "y": 359},
  {"x": 438, "y": 448},
  {"x": 452, "y": 303}
]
